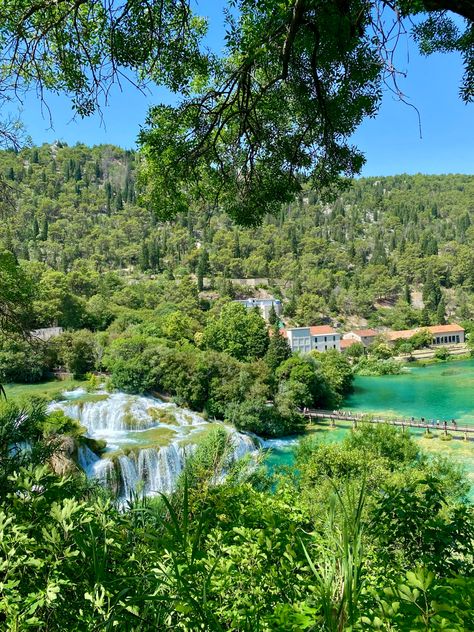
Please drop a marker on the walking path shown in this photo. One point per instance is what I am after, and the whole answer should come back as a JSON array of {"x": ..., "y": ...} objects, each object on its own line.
[{"x": 427, "y": 424}]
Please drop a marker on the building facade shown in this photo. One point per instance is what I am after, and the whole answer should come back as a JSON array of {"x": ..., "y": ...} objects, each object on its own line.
[
  {"x": 306, "y": 339},
  {"x": 442, "y": 334},
  {"x": 365, "y": 336},
  {"x": 263, "y": 304}
]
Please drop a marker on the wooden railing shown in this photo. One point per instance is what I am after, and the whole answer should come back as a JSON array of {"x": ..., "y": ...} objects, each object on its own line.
[{"x": 340, "y": 415}]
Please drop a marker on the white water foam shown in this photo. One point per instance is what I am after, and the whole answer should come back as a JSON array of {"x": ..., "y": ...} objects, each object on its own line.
[{"x": 150, "y": 470}]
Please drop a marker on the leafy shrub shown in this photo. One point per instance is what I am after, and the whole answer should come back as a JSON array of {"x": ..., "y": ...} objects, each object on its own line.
[{"x": 373, "y": 366}]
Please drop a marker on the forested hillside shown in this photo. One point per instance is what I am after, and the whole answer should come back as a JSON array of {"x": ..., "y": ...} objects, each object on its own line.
[{"x": 378, "y": 253}]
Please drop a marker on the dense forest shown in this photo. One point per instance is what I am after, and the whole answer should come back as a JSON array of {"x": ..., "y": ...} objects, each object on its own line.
[
  {"x": 378, "y": 253},
  {"x": 367, "y": 534}
]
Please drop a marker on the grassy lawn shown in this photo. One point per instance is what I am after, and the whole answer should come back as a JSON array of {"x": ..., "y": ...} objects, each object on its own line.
[{"x": 50, "y": 390}]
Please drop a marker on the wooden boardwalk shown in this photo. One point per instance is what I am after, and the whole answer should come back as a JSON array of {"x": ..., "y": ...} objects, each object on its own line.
[{"x": 456, "y": 431}]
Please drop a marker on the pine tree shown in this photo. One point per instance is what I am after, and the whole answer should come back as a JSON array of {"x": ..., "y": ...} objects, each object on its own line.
[
  {"x": 431, "y": 291},
  {"x": 273, "y": 317},
  {"x": 441, "y": 312}
]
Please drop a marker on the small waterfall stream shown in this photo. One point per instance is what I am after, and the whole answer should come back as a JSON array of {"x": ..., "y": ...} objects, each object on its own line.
[{"x": 138, "y": 459}]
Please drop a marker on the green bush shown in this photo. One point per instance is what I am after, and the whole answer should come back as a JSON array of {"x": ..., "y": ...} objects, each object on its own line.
[
  {"x": 373, "y": 366},
  {"x": 441, "y": 353}
]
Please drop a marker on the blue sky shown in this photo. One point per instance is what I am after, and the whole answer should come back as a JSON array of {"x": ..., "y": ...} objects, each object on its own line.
[{"x": 391, "y": 142}]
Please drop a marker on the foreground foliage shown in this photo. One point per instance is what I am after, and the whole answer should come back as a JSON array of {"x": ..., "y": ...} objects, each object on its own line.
[{"x": 369, "y": 535}]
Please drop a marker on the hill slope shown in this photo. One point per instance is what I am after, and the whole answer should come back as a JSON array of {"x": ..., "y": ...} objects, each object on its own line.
[{"x": 361, "y": 258}]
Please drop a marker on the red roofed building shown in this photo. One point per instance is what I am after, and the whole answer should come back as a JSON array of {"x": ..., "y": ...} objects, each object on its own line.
[
  {"x": 347, "y": 342},
  {"x": 365, "y": 336},
  {"x": 442, "y": 334},
  {"x": 319, "y": 338}
]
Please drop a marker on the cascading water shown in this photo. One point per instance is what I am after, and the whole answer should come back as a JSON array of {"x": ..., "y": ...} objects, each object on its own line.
[{"x": 130, "y": 424}]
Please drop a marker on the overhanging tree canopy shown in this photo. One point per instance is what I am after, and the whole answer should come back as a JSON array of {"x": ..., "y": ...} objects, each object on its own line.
[{"x": 277, "y": 109}]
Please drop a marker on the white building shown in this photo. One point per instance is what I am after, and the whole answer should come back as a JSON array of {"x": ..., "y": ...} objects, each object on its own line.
[
  {"x": 306, "y": 339},
  {"x": 263, "y": 304}
]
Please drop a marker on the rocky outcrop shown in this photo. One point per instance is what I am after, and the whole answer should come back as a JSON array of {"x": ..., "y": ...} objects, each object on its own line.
[{"x": 63, "y": 459}]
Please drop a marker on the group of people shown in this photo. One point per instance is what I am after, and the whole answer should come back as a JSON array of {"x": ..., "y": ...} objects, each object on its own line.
[{"x": 437, "y": 423}]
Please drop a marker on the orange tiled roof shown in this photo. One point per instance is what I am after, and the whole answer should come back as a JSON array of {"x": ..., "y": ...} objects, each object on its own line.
[
  {"x": 365, "y": 333},
  {"x": 348, "y": 342},
  {"x": 397, "y": 335},
  {"x": 444, "y": 329},
  {"x": 433, "y": 329},
  {"x": 321, "y": 330}
]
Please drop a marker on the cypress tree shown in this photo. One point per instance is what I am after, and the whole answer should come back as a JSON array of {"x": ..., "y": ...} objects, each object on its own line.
[
  {"x": 431, "y": 291},
  {"x": 35, "y": 228},
  {"x": 119, "y": 201},
  {"x": 407, "y": 294},
  {"x": 145, "y": 257},
  {"x": 278, "y": 350},
  {"x": 425, "y": 317},
  {"x": 155, "y": 257},
  {"x": 441, "y": 312},
  {"x": 273, "y": 317},
  {"x": 44, "y": 229}
]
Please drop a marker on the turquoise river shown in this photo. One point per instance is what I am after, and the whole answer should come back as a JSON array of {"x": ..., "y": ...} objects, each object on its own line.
[{"x": 438, "y": 391}]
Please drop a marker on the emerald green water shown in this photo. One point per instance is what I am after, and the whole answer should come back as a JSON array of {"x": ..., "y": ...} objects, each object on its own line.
[{"x": 439, "y": 391}]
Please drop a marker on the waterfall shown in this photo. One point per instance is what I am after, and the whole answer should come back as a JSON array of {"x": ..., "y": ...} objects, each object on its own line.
[
  {"x": 146, "y": 470},
  {"x": 120, "y": 413},
  {"x": 117, "y": 413},
  {"x": 87, "y": 459},
  {"x": 243, "y": 444},
  {"x": 150, "y": 471},
  {"x": 159, "y": 469}
]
